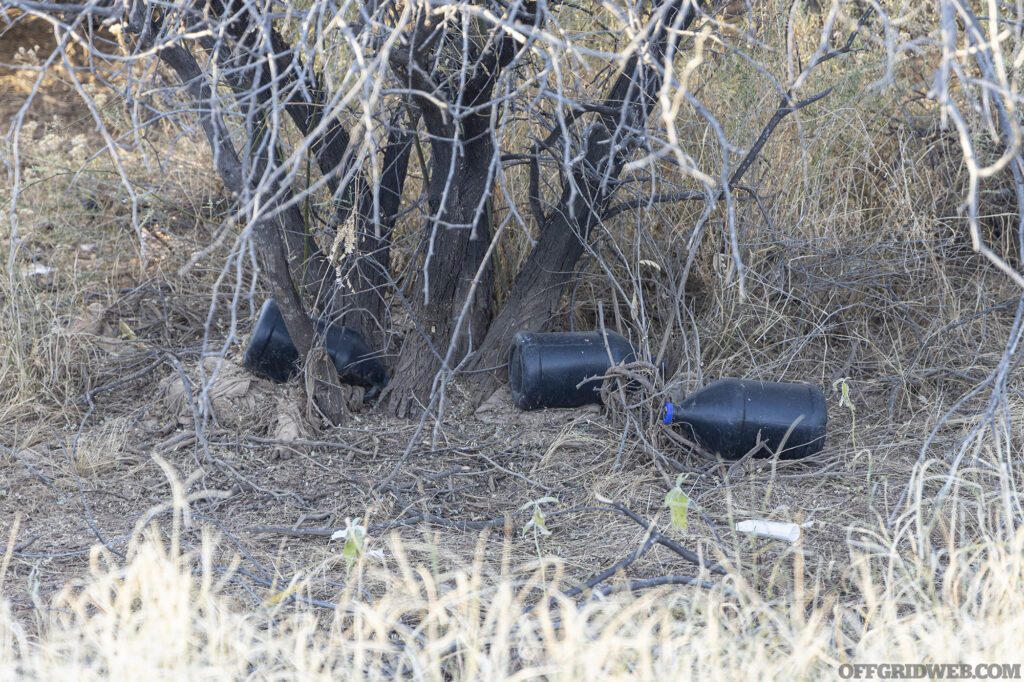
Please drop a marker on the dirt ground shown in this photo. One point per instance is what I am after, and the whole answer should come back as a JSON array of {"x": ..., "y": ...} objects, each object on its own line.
[
  {"x": 88, "y": 472},
  {"x": 471, "y": 467},
  {"x": 477, "y": 469}
]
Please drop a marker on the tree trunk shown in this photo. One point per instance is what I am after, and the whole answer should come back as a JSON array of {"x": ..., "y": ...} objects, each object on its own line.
[
  {"x": 267, "y": 234},
  {"x": 549, "y": 268},
  {"x": 246, "y": 68},
  {"x": 364, "y": 276},
  {"x": 455, "y": 247},
  {"x": 453, "y": 276}
]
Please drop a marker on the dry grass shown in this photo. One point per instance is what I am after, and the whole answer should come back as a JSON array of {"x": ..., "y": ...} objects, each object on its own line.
[
  {"x": 163, "y": 614},
  {"x": 861, "y": 269}
]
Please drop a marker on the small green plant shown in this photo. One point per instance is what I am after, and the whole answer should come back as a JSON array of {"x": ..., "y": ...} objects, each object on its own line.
[
  {"x": 843, "y": 384},
  {"x": 538, "y": 520},
  {"x": 354, "y": 535},
  {"x": 678, "y": 503}
]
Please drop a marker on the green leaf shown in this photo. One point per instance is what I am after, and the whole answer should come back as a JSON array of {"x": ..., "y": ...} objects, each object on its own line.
[
  {"x": 678, "y": 503},
  {"x": 537, "y": 523},
  {"x": 355, "y": 542}
]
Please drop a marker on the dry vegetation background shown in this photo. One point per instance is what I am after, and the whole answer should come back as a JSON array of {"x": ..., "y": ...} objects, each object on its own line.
[{"x": 137, "y": 541}]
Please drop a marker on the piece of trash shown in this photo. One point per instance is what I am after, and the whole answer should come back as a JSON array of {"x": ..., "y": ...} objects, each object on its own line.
[
  {"x": 272, "y": 354},
  {"x": 237, "y": 397},
  {"x": 552, "y": 369},
  {"x": 780, "y": 530},
  {"x": 36, "y": 269},
  {"x": 731, "y": 417}
]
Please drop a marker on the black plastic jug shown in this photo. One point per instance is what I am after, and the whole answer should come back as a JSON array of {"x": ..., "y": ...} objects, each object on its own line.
[
  {"x": 545, "y": 368},
  {"x": 271, "y": 352},
  {"x": 727, "y": 416}
]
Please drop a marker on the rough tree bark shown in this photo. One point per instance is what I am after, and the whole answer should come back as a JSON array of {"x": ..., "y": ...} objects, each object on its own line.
[
  {"x": 458, "y": 229},
  {"x": 246, "y": 62},
  {"x": 351, "y": 293}
]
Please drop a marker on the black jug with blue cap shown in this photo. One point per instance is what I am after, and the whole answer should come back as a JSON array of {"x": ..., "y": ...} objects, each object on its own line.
[
  {"x": 729, "y": 416},
  {"x": 272, "y": 353}
]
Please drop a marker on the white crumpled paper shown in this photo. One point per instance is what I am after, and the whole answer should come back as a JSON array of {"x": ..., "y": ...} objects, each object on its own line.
[{"x": 790, "y": 532}]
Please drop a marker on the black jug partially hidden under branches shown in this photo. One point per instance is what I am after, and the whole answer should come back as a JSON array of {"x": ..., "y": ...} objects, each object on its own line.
[
  {"x": 730, "y": 417},
  {"x": 563, "y": 369},
  {"x": 271, "y": 352}
]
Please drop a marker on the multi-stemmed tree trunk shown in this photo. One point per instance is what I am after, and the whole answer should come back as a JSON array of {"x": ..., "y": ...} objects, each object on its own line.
[
  {"x": 564, "y": 231},
  {"x": 446, "y": 63},
  {"x": 451, "y": 300},
  {"x": 451, "y": 77},
  {"x": 268, "y": 233},
  {"x": 361, "y": 294}
]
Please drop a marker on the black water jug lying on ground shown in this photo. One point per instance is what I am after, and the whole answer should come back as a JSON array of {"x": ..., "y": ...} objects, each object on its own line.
[
  {"x": 545, "y": 369},
  {"x": 272, "y": 353},
  {"x": 727, "y": 416}
]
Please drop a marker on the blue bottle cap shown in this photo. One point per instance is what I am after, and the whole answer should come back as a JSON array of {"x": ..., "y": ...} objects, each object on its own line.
[{"x": 668, "y": 414}]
